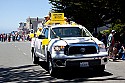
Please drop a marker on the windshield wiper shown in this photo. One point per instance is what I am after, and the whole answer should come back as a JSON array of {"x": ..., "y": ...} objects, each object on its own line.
[{"x": 55, "y": 34}]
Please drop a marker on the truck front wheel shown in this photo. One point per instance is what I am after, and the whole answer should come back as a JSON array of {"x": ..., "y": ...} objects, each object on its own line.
[
  {"x": 50, "y": 68},
  {"x": 99, "y": 69}
]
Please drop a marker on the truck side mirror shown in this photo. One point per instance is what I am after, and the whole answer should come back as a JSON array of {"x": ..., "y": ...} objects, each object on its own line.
[{"x": 41, "y": 37}]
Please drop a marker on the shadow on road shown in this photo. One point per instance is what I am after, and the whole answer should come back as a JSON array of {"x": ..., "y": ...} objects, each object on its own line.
[
  {"x": 21, "y": 74},
  {"x": 35, "y": 74},
  {"x": 81, "y": 75}
]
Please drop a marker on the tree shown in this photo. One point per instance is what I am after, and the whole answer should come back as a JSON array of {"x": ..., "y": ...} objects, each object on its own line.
[{"x": 91, "y": 13}]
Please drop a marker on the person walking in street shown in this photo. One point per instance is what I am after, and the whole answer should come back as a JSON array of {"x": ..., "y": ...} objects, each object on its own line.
[{"x": 110, "y": 43}]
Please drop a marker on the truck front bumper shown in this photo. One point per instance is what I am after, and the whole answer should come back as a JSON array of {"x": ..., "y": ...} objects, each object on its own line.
[{"x": 80, "y": 60}]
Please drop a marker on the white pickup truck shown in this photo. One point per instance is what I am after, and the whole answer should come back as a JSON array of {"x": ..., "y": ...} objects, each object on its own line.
[{"x": 69, "y": 46}]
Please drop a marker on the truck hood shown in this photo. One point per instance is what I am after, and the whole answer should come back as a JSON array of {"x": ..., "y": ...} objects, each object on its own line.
[
  {"x": 77, "y": 39},
  {"x": 82, "y": 40}
]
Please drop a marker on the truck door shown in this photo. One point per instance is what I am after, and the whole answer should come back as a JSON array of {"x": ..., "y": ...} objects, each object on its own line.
[
  {"x": 40, "y": 44},
  {"x": 44, "y": 41}
]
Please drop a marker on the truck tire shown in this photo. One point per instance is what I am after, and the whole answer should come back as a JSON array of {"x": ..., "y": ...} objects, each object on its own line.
[
  {"x": 50, "y": 69},
  {"x": 35, "y": 59},
  {"x": 99, "y": 69}
]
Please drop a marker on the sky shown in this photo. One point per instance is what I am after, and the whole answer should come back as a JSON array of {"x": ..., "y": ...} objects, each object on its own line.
[{"x": 12, "y": 12}]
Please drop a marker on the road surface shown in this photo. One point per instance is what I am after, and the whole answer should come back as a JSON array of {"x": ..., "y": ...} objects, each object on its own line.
[{"x": 16, "y": 66}]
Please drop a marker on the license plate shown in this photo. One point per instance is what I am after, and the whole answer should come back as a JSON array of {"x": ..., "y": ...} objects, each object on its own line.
[{"x": 84, "y": 64}]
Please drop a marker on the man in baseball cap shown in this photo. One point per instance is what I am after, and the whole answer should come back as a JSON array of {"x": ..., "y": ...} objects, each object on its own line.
[{"x": 113, "y": 31}]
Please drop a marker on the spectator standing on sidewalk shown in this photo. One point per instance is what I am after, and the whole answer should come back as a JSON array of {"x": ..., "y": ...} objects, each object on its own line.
[
  {"x": 9, "y": 37},
  {"x": 122, "y": 52},
  {"x": 0, "y": 37},
  {"x": 4, "y": 37},
  {"x": 116, "y": 50},
  {"x": 110, "y": 43}
]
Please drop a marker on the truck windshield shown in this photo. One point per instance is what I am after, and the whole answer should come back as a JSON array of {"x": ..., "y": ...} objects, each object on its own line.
[{"x": 69, "y": 32}]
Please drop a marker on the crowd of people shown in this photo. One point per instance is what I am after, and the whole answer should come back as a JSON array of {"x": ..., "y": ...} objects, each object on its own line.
[
  {"x": 12, "y": 37},
  {"x": 114, "y": 43}
]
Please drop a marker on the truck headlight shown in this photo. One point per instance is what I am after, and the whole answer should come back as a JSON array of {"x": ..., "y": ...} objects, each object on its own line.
[
  {"x": 59, "y": 48},
  {"x": 101, "y": 48}
]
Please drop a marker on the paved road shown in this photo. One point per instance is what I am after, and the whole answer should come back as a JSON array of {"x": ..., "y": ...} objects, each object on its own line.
[{"x": 16, "y": 66}]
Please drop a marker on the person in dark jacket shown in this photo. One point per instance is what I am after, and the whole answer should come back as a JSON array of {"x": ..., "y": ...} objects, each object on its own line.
[{"x": 104, "y": 39}]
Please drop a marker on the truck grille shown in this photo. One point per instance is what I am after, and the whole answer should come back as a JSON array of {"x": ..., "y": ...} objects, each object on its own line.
[{"x": 80, "y": 50}]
